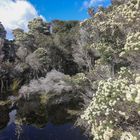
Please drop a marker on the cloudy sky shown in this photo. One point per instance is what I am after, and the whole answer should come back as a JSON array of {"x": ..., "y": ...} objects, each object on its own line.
[{"x": 17, "y": 13}]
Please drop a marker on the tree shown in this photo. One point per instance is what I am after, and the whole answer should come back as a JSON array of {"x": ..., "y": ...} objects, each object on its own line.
[{"x": 91, "y": 11}]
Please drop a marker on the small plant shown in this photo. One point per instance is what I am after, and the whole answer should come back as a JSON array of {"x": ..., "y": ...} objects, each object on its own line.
[{"x": 15, "y": 85}]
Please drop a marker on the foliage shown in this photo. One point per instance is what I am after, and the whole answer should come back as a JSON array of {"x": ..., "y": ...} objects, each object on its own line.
[
  {"x": 2, "y": 32},
  {"x": 110, "y": 112},
  {"x": 37, "y": 59},
  {"x": 63, "y": 26},
  {"x": 38, "y": 25},
  {"x": 112, "y": 31},
  {"x": 96, "y": 60},
  {"x": 114, "y": 110},
  {"x": 15, "y": 85}
]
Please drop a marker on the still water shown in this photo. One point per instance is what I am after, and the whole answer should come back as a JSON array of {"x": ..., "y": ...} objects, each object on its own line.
[{"x": 49, "y": 132}]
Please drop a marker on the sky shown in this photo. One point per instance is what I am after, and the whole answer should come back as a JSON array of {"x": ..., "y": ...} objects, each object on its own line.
[
  {"x": 17, "y": 13},
  {"x": 66, "y": 9}
]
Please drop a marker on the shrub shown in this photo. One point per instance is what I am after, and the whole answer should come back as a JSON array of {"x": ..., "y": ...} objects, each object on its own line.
[{"x": 115, "y": 108}]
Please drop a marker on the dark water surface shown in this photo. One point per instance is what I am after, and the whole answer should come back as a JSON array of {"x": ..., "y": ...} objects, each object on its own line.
[{"x": 49, "y": 132}]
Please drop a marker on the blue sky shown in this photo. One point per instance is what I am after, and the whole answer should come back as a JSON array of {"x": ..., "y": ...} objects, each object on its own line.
[
  {"x": 17, "y": 13},
  {"x": 66, "y": 9}
]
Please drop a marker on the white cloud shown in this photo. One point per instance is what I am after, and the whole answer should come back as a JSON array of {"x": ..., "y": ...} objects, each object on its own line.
[
  {"x": 16, "y": 14},
  {"x": 94, "y": 3}
]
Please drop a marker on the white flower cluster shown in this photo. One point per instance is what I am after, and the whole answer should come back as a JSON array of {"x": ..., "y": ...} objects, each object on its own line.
[
  {"x": 127, "y": 12},
  {"x": 105, "y": 50},
  {"x": 132, "y": 44},
  {"x": 78, "y": 78},
  {"x": 106, "y": 106},
  {"x": 108, "y": 133},
  {"x": 125, "y": 73},
  {"x": 127, "y": 136},
  {"x": 130, "y": 10}
]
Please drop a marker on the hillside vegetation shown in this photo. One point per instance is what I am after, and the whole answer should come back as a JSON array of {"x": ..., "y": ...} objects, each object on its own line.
[
  {"x": 90, "y": 67},
  {"x": 114, "y": 111}
]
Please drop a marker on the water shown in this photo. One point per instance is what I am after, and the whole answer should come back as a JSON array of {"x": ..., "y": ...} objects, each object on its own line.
[{"x": 49, "y": 132}]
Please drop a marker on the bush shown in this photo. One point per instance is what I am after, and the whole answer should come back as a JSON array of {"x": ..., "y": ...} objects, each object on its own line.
[{"x": 115, "y": 109}]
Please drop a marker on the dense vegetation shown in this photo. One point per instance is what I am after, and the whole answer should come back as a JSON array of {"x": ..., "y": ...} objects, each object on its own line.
[
  {"x": 92, "y": 65},
  {"x": 113, "y": 113}
]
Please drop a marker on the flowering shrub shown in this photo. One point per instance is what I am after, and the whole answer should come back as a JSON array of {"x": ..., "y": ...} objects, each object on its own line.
[
  {"x": 78, "y": 78},
  {"x": 114, "y": 110},
  {"x": 132, "y": 44},
  {"x": 115, "y": 31},
  {"x": 105, "y": 50},
  {"x": 127, "y": 136}
]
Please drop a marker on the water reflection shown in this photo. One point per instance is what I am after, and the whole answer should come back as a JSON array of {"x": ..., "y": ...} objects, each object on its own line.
[
  {"x": 4, "y": 116},
  {"x": 50, "y": 132},
  {"x": 12, "y": 116}
]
